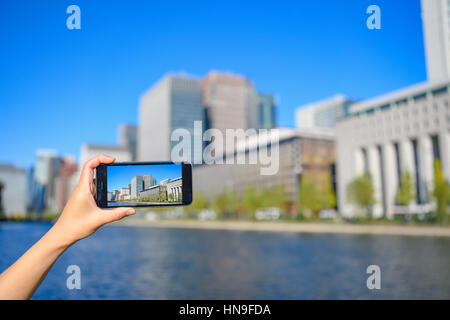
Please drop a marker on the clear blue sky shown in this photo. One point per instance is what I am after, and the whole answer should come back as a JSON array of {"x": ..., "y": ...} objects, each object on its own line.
[
  {"x": 61, "y": 88},
  {"x": 120, "y": 176}
]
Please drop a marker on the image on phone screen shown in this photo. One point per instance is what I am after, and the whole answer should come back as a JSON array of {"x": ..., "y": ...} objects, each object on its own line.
[{"x": 131, "y": 185}]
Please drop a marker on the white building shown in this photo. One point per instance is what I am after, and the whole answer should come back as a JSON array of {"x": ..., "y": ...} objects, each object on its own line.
[
  {"x": 405, "y": 130},
  {"x": 436, "y": 32},
  {"x": 174, "y": 189},
  {"x": 322, "y": 114},
  {"x": 174, "y": 102},
  {"x": 13, "y": 193}
]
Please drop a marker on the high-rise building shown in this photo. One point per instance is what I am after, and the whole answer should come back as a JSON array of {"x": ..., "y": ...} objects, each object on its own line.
[
  {"x": 175, "y": 102},
  {"x": 266, "y": 111},
  {"x": 231, "y": 101},
  {"x": 322, "y": 114},
  {"x": 128, "y": 138},
  {"x": 403, "y": 131},
  {"x": 46, "y": 172},
  {"x": 137, "y": 185},
  {"x": 63, "y": 185},
  {"x": 13, "y": 188},
  {"x": 436, "y": 31}
]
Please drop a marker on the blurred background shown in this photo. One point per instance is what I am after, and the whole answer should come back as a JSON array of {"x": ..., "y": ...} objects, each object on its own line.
[{"x": 359, "y": 96}]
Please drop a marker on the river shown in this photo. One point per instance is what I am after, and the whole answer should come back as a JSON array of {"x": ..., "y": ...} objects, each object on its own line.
[{"x": 124, "y": 262}]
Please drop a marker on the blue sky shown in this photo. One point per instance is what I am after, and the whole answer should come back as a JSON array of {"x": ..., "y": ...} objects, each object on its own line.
[
  {"x": 60, "y": 88},
  {"x": 120, "y": 176}
]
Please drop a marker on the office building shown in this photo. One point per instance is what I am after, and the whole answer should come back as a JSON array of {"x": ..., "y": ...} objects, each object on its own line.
[
  {"x": 127, "y": 138},
  {"x": 175, "y": 102},
  {"x": 231, "y": 101},
  {"x": 302, "y": 153},
  {"x": 266, "y": 111},
  {"x": 12, "y": 188},
  {"x": 88, "y": 151},
  {"x": 63, "y": 182},
  {"x": 436, "y": 33},
  {"x": 155, "y": 191},
  {"x": 174, "y": 189},
  {"x": 322, "y": 115},
  {"x": 403, "y": 131}
]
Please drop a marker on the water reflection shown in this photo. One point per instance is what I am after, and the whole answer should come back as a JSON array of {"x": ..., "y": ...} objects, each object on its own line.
[{"x": 146, "y": 263}]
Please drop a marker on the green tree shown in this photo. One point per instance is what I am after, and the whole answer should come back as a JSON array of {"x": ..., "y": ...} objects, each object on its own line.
[
  {"x": 441, "y": 191},
  {"x": 199, "y": 202},
  {"x": 407, "y": 192},
  {"x": 171, "y": 197},
  {"x": 219, "y": 204},
  {"x": 361, "y": 193},
  {"x": 308, "y": 198},
  {"x": 163, "y": 197},
  {"x": 233, "y": 203},
  {"x": 327, "y": 197},
  {"x": 250, "y": 200},
  {"x": 278, "y": 197}
]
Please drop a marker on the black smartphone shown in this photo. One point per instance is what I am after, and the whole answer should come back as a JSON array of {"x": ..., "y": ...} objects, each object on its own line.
[{"x": 144, "y": 184}]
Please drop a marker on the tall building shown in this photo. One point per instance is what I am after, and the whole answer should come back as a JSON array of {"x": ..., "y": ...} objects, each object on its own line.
[
  {"x": 403, "y": 131},
  {"x": 436, "y": 32},
  {"x": 231, "y": 101},
  {"x": 46, "y": 172},
  {"x": 13, "y": 181},
  {"x": 172, "y": 103},
  {"x": 322, "y": 114},
  {"x": 67, "y": 169},
  {"x": 266, "y": 111},
  {"x": 128, "y": 138}
]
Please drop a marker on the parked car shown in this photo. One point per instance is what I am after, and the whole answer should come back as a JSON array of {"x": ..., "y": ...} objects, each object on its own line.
[
  {"x": 271, "y": 213},
  {"x": 328, "y": 214},
  {"x": 207, "y": 214}
]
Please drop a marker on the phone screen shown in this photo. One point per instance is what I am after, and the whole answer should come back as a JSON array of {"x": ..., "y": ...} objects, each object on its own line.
[{"x": 144, "y": 185}]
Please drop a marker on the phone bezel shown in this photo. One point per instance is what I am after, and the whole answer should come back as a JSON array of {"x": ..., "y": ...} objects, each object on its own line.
[{"x": 102, "y": 183}]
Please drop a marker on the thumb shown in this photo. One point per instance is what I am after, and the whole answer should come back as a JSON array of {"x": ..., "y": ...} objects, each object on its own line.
[{"x": 111, "y": 215}]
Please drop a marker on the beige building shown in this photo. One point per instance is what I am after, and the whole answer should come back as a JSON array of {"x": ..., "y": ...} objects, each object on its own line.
[
  {"x": 230, "y": 100},
  {"x": 311, "y": 154}
]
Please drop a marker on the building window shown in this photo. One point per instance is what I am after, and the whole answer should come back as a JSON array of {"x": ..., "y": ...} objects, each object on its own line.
[
  {"x": 436, "y": 150},
  {"x": 397, "y": 161}
]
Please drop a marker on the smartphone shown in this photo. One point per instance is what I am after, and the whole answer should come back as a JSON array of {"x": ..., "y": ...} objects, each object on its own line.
[{"x": 144, "y": 184}]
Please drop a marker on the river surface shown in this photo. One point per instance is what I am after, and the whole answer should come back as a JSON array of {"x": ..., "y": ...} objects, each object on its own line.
[{"x": 122, "y": 262}]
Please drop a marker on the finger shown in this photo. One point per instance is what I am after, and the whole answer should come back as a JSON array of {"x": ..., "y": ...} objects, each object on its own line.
[
  {"x": 87, "y": 174},
  {"x": 111, "y": 215}
]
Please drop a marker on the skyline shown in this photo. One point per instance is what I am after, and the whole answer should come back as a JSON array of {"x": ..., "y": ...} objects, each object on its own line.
[
  {"x": 120, "y": 176},
  {"x": 78, "y": 86}
]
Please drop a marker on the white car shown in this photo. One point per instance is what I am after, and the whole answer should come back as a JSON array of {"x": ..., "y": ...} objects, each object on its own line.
[
  {"x": 328, "y": 214},
  {"x": 207, "y": 215},
  {"x": 271, "y": 213}
]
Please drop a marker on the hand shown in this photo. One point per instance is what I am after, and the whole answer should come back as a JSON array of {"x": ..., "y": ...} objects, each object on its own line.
[{"x": 81, "y": 216}]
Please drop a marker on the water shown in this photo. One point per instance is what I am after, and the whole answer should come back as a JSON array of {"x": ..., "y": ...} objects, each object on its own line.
[{"x": 151, "y": 263}]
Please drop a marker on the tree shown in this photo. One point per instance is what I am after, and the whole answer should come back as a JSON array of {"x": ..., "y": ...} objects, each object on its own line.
[
  {"x": 233, "y": 203},
  {"x": 162, "y": 197},
  {"x": 171, "y": 197},
  {"x": 278, "y": 197},
  {"x": 199, "y": 202},
  {"x": 308, "y": 198},
  {"x": 250, "y": 200},
  {"x": 327, "y": 196},
  {"x": 407, "y": 192},
  {"x": 219, "y": 204},
  {"x": 361, "y": 193},
  {"x": 441, "y": 191}
]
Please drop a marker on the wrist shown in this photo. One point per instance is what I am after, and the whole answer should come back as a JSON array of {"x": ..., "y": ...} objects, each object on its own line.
[{"x": 59, "y": 238}]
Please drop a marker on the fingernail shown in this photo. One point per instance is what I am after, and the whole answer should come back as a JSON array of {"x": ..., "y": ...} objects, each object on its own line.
[{"x": 130, "y": 212}]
